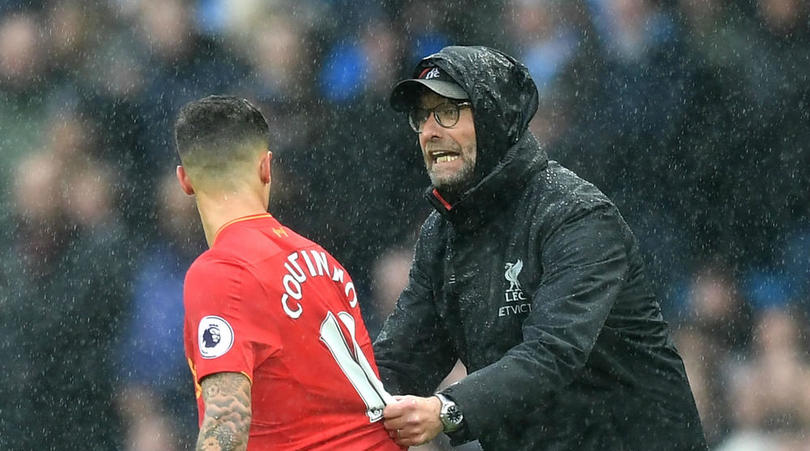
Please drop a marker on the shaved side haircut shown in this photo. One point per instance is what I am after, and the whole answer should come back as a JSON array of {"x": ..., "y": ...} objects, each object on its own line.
[{"x": 217, "y": 135}]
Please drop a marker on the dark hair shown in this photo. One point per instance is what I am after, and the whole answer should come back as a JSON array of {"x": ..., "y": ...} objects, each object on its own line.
[{"x": 214, "y": 130}]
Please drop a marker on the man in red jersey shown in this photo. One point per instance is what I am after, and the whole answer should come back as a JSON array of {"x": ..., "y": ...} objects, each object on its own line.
[{"x": 273, "y": 334}]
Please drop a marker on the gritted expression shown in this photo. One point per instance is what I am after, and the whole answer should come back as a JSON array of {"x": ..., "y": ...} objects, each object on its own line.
[{"x": 449, "y": 152}]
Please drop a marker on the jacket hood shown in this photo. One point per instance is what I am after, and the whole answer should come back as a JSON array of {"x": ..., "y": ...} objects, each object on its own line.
[{"x": 502, "y": 92}]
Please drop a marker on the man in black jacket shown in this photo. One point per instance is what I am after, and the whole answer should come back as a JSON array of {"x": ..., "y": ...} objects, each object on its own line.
[{"x": 528, "y": 275}]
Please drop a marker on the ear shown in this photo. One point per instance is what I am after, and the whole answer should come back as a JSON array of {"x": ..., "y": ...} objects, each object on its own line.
[
  {"x": 185, "y": 182},
  {"x": 266, "y": 166}
]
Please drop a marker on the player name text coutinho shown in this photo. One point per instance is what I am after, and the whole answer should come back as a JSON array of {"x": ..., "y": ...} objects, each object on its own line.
[{"x": 315, "y": 265}]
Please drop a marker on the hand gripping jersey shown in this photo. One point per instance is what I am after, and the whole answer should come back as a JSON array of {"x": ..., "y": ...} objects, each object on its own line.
[{"x": 270, "y": 304}]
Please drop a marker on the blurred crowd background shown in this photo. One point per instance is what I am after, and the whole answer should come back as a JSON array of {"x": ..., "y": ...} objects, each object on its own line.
[{"x": 691, "y": 114}]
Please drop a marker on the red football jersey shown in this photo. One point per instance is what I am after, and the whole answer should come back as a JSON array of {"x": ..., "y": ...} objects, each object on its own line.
[{"x": 276, "y": 307}]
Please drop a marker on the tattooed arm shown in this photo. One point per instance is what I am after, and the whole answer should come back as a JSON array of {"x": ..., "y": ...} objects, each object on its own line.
[{"x": 226, "y": 423}]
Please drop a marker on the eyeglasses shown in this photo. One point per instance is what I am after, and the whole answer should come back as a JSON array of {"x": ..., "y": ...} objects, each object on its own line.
[{"x": 446, "y": 115}]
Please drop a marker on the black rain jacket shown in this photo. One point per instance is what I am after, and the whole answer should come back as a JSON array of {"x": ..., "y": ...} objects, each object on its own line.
[{"x": 533, "y": 279}]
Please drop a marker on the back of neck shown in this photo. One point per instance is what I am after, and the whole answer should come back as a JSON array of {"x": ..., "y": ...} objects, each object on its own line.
[{"x": 218, "y": 210}]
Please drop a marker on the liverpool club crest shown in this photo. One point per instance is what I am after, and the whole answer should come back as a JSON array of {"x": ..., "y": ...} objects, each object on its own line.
[{"x": 514, "y": 292}]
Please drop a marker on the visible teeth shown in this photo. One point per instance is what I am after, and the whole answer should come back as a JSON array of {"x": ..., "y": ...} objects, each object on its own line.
[{"x": 446, "y": 158}]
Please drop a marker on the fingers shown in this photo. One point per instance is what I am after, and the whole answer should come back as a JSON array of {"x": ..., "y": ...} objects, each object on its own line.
[
  {"x": 409, "y": 421},
  {"x": 402, "y": 413},
  {"x": 403, "y": 406},
  {"x": 407, "y": 437},
  {"x": 393, "y": 410}
]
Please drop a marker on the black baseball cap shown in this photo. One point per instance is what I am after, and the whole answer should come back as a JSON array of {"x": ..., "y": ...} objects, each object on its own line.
[{"x": 431, "y": 77}]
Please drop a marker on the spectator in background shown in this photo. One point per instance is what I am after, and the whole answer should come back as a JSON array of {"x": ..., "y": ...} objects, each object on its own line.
[
  {"x": 718, "y": 309},
  {"x": 74, "y": 32},
  {"x": 23, "y": 103},
  {"x": 389, "y": 276},
  {"x": 180, "y": 64},
  {"x": 712, "y": 336},
  {"x": 427, "y": 23},
  {"x": 68, "y": 303},
  {"x": 353, "y": 165},
  {"x": 21, "y": 54},
  {"x": 551, "y": 37},
  {"x": 637, "y": 111},
  {"x": 279, "y": 51},
  {"x": 38, "y": 240},
  {"x": 778, "y": 85},
  {"x": 156, "y": 399},
  {"x": 771, "y": 390},
  {"x": 713, "y": 32},
  {"x": 277, "y": 46},
  {"x": 711, "y": 152},
  {"x": 751, "y": 58}
]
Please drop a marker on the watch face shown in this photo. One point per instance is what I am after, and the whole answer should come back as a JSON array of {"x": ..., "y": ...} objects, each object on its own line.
[
  {"x": 454, "y": 415},
  {"x": 451, "y": 415}
]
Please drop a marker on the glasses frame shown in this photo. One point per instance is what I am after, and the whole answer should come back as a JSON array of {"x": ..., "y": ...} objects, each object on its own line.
[{"x": 458, "y": 105}]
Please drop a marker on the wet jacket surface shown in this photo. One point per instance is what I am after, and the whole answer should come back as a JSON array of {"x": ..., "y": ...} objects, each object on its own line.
[{"x": 533, "y": 280}]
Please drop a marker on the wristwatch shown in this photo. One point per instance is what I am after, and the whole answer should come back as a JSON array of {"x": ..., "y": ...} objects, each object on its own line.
[{"x": 450, "y": 414}]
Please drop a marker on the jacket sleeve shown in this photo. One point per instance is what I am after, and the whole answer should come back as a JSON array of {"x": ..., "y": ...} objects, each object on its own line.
[
  {"x": 585, "y": 261},
  {"x": 413, "y": 351}
]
